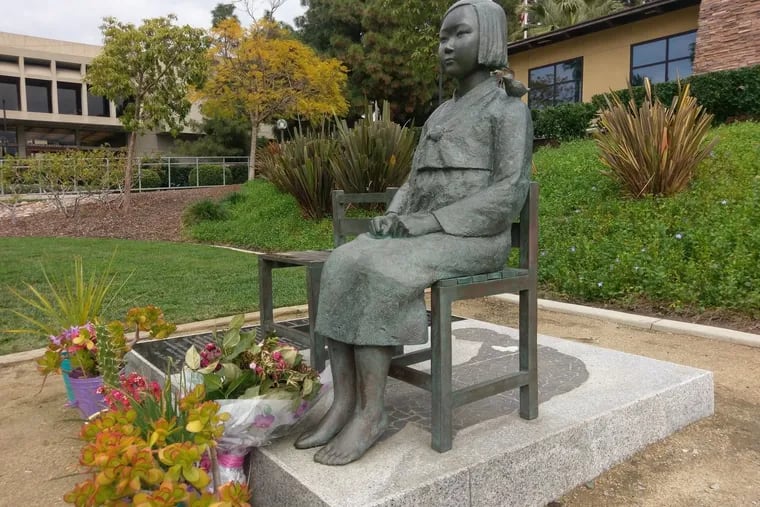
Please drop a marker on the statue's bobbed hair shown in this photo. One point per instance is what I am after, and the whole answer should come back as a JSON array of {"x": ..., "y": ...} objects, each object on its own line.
[{"x": 492, "y": 31}]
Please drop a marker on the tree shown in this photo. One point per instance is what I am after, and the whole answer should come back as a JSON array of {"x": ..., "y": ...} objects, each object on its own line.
[
  {"x": 554, "y": 14},
  {"x": 262, "y": 73},
  {"x": 150, "y": 69},
  {"x": 222, "y": 12},
  {"x": 221, "y": 137},
  {"x": 389, "y": 47}
]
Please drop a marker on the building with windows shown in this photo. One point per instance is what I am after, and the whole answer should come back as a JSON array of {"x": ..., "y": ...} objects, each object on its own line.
[
  {"x": 660, "y": 39},
  {"x": 46, "y": 106}
]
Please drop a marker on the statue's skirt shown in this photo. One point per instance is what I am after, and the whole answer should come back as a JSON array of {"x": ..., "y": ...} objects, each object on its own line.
[{"x": 372, "y": 289}]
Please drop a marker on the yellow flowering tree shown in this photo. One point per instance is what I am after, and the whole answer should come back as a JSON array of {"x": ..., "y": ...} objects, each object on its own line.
[{"x": 262, "y": 72}]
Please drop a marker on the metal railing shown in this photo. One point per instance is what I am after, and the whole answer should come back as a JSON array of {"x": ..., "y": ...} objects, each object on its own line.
[{"x": 29, "y": 176}]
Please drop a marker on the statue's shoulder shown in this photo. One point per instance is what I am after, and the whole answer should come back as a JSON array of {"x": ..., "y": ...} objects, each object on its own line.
[{"x": 503, "y": 104}]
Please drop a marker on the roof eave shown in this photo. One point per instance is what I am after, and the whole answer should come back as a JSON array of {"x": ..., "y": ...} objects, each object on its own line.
[{"x": 621, "y": 17}]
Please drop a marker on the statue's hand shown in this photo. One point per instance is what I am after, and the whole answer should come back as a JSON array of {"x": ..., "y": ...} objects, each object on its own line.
[
  {"x": 418, "y": 224},
  {"x": 384, "y": 225}
]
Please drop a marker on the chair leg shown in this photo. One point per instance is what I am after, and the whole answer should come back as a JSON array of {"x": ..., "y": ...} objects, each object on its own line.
[
  {"x": 440, "y": 371},
  {"x": 529, "y": 353},
  {"x": 316, "y": 343},
  {"x": 266, "y": 302}
]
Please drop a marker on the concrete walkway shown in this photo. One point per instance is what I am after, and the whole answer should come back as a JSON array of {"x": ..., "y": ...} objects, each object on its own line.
[{"x": 627, "y": 319}]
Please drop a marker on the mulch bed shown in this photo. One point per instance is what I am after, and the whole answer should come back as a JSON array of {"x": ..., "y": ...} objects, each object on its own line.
[{"x": 152, "y": 216}]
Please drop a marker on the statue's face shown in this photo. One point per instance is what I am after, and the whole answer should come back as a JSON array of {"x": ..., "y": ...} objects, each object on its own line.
[{"x": 458, "y": 42}]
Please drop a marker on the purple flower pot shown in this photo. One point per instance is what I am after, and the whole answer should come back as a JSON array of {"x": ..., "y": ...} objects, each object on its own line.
[{"x": 86, "y": 398}]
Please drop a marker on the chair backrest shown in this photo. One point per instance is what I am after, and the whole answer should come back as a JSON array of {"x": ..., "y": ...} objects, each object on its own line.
[
  {"x": 345, "y": 228},
  {"x": 524, "y": 232}
]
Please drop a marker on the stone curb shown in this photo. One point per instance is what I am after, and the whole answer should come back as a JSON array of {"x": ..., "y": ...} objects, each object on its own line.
[
  {"x": 182, "y": 330},
  {"x": 641, "y": 321}
]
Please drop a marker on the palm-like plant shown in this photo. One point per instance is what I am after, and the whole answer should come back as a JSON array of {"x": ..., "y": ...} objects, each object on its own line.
[{"x": 547, "y": 15}]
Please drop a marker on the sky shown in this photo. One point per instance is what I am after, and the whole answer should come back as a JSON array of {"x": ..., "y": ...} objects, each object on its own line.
[{"x": 80, "y": 20}]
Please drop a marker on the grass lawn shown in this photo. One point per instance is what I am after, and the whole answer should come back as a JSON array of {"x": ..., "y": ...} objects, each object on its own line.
[{"x": 189, "y": 282}]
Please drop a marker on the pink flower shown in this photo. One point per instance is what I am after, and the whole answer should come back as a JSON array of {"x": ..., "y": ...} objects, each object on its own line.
[
  {"x": 253, "y": 366},
  {"x": 263, "y": 421},
  {"x": 276, "y": 355}
]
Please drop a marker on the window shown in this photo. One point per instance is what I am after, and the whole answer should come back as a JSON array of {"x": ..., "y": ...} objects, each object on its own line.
[
  {"x": 8, "y": 143},
  {"x": 69, "y": 98},
  {"x": 663, "y": 59},
  {"x": 38, "y": 96},
  {"x": 97, "y": 105},
  {"x": 554, "y": 84},
  {"x": 9, "y": 96}
]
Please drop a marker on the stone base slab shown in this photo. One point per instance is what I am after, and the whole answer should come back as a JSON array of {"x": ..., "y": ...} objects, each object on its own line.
[{"x": 597, "y": 408}]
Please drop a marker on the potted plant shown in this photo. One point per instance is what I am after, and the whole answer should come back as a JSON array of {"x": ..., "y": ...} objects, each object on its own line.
[
  {"x": 95, "y": 354},
  {"x": 265, "y": 386},
  {"x": 147, "y": 447},
  {"x": 62, "y": 304}
]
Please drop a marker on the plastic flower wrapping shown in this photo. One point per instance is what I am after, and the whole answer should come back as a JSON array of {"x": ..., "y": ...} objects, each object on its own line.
[{"x": 265, "y": 386}]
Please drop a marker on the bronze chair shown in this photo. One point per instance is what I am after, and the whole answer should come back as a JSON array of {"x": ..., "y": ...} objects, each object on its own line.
[{"x": 438, "y": 382}]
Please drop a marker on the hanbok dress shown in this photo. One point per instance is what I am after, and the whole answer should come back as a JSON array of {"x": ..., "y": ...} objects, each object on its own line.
[{"x": 471, "y": 170}]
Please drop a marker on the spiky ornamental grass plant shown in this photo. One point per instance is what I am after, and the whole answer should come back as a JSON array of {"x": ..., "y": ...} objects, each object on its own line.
[
  {"x": 68, "y": 302},
  {"x": 653, "y": 149},
  {"x": 373, "y": 155},
  {"x": 301, "y": 168}
]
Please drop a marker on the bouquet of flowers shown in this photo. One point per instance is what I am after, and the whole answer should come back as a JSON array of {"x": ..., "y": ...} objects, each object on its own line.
[{"x": 266, "y": 387}]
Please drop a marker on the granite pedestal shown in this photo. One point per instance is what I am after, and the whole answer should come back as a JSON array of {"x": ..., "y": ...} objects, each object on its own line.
[{"x": 597, "y": 408}]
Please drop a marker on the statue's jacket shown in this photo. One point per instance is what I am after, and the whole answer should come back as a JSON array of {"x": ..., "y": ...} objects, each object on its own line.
[{"x": 471, "y": 170}]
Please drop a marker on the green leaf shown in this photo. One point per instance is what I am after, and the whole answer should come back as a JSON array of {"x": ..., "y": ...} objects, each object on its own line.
[
  {"x": 289, "y": 355},
  {"x": 212, "y": 382},
  {"x": 192, "y": 358},
  {"x": 308, "y": 386},
  {"x": 251, "y": 392},
  {"x": 230, "y": 371}
]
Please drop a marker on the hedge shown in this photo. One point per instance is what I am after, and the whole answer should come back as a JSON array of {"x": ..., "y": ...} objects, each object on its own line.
[{"x": 727, "y": 94}]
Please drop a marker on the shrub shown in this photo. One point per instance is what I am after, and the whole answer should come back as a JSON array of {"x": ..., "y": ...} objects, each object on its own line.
[
  {"x": 653, "y": 149},
  {"x": 239, "y": 172},
  {"x": 373, "y": 155},
  {"x": 203, "y": 210},
  {"x": 301, "y": 169},
  {"x": 563, "y": 122},
  {"x": 209, "y": 174},
  {"x": 727, "y": 94},
  {"x": 149, "y": 178}
]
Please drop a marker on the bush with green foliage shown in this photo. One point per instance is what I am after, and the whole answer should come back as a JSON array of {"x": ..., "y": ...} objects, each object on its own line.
[
  {"x": 373, "y": 155},
  {"x": 301, "y": 168},
  {"x": 563, "y": 122},
  {"x": 209, "y": 174},
  {"x": 653, "y": 149},
  {"x": 727, "y": 94},
  {"x": 203, "y": 210},
  {"x": 148, "y": 178}
]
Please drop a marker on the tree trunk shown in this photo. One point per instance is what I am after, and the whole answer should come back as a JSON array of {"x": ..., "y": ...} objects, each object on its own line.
[
  {"x": 252, "y": 154},
  {"x": 127, "y": 195}
]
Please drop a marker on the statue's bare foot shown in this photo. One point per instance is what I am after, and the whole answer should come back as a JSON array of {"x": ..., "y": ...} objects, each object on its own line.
[
  {"x": 333, "y": 421},
  {"x": 355, "y": 438}
]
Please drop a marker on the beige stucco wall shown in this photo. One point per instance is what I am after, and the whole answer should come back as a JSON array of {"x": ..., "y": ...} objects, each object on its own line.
[{"x": 606, "y": 54}]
